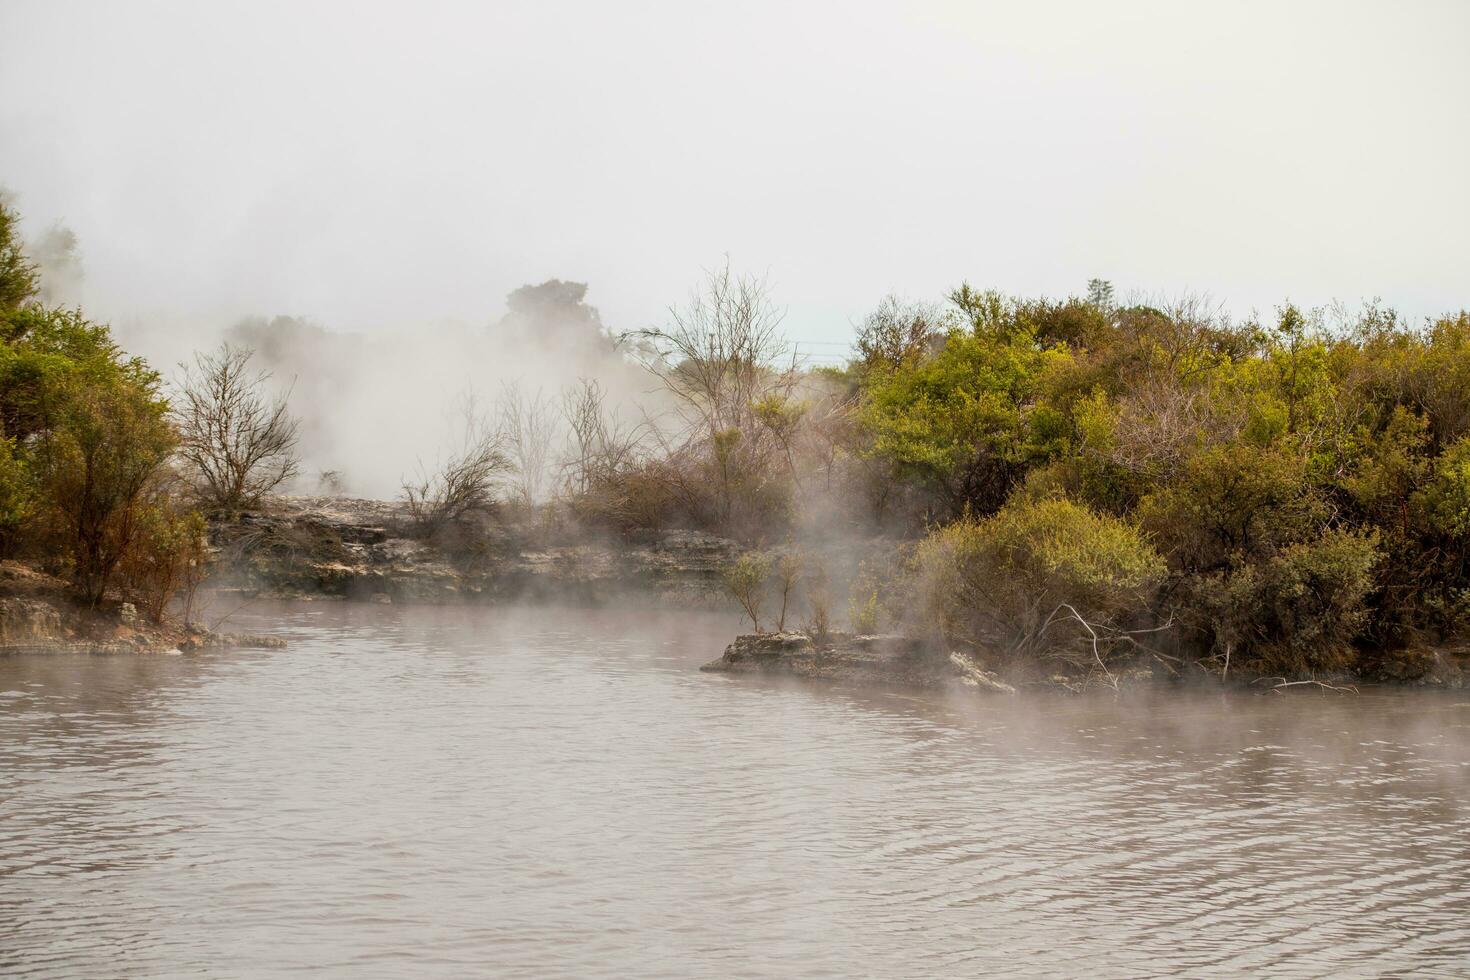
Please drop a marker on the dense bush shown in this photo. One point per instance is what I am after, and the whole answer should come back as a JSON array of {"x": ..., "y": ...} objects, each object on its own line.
[
  {"x": 966, "y": 423},
  {"x": 95, "y": 467},
  {"x": 1297, "y": 612},
  {"x": 1307, "y": 484},
  {"x": 1231, "y": 503},
  {"x": 1040, "y": 579},
  {"x": 17, "y": 496},
  {"x": 87, "y": 439},
  {"x": 168, "y": 558}
]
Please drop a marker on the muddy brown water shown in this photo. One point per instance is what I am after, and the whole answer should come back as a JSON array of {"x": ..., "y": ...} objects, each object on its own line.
[{"x": 556, "y": 792}]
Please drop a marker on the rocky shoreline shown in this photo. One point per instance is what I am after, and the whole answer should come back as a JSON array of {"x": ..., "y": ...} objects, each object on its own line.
[
  {"x": 887, "y": 660},
  {"x": 38, "y": 615},
  {"x": 360, "y": 550},
  {"x": 339, "y": 548},
  {"x": 902, "y": 662}
]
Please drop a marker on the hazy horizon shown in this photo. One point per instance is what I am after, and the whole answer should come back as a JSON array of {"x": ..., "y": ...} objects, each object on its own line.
[{"x": 369, "y": 168}]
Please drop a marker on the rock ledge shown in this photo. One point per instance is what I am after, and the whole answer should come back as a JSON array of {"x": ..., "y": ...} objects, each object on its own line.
[{"x": 887, "y": 660}]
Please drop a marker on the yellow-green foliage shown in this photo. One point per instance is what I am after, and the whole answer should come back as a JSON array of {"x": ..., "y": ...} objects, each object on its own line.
[
  {"x": 17, "y": 496},
  {"x": 1306, "y": 483},
  {"x": 95, "y": 468},
  {"x": 995, "y": 583},
  {"x": 968, "y": 421},
  {"x": 87, "y": 432},
  {"x": 1446, "y": 498},
  {"x": 168, "y": 554},
  {"x": 1231, "y": 502},
  {"x": 746, "y": 579}
]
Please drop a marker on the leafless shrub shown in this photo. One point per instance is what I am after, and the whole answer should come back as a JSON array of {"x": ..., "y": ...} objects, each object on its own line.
[
  {"x": 899, "y": 333},
  {"x": 609, "y": 472},
  {"x": 1164, "y": 421},
  {"x": 464, "y": 485},
  {"x": 723, "y": 354},
  {"x": 528, "y": 426},
  {"x": 819, "y": 604},
  {"x": 237, "y": 443},
  {"x": 733, "y": 377}
]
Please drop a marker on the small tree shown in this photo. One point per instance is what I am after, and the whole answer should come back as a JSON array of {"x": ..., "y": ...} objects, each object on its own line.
[
  {"x": 788, "y": 572},
  {"x": 730, "y": 374},
  {"x": 819, "y": 604},
  {"x": 746, "y": 580},
  {"x": 237, "y": 443}
]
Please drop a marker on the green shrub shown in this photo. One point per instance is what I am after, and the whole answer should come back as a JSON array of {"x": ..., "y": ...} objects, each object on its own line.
[
  {"x": 1018, "y": 583},
  {"x": 1234, "y": 502},
  {"x": 865, "y": 612},
  {"x": 1445, "y": 500},
  {"x": 965, "y": 424},
  {"x": 17, "y": 497},
  {"x": 167, "y": 556},
  {"x": 746, "y": 579},
  {"x": 96, "y": 467},
  {"x": 1295, "y": 613}
]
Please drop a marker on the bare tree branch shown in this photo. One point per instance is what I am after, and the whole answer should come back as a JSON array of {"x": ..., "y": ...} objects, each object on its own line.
[{"x": 237, "y": 443}]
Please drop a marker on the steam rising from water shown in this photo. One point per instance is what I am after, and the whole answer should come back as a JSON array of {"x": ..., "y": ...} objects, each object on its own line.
[{"x": 375, "y": 405}]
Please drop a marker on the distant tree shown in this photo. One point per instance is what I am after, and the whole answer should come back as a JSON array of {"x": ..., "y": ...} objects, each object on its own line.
[
  {"x": 237, "y": 442},
  {"x": 1100, "y": 293},
  {"x": 58, "y": 265},
  {"x": 899, "y": 333},
  {"x": 18, "y": 278},
  {"x": 528, "y": 426},
  {"x": 554, "y": 313}
]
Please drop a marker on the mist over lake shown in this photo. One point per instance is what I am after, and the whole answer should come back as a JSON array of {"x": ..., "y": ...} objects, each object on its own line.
[{"x": 767, "y": 490}]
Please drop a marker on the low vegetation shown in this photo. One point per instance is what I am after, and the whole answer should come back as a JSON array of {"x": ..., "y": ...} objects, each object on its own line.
[
  {"x": 464, "y": 488},
  {"x": 1039, "y": 580},
  {"x": 1090, "y": 481},
  {"x": 87, "y": 446},
  {"x": 1055, "y": 484}
]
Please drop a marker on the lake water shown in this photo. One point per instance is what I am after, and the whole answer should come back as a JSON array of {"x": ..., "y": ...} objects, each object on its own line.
[{"x": 556, "y": 792}]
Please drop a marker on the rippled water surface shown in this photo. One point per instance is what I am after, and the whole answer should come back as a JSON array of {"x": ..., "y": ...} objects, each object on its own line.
[{"x": 555, "y": 793}]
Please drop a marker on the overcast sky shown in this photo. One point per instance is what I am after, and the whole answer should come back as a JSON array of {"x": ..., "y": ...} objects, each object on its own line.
[{"x": 375, "y": 164}]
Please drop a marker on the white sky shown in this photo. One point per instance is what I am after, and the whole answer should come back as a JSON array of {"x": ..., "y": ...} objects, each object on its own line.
[{"x": 374, "y": 165}]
